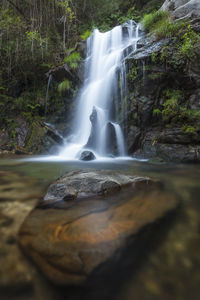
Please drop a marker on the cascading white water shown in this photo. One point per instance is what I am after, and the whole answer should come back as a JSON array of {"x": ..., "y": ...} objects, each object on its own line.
[
  {"x": 47, "y": 95},
  {"x": 104, "y": 68}
]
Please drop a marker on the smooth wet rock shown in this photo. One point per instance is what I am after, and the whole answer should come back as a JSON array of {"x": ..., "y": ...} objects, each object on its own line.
[
  {"x": 86, "y": 184},
  {"x": 69, "y": 241},
  {"x": 92, "y": 140},
  {"x": 170, "y": 144},
  {"x": 87, "y": 156},
  {"x": 111, "y": 142}
]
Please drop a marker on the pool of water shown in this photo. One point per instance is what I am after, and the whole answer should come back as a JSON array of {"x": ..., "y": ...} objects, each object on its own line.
[{"x": 168, "y": 269}]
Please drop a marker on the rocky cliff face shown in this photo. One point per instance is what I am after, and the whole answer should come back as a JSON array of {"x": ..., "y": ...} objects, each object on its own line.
[
  {"x": 183, "y": 8},
  {"x": 163, "y": 100}
]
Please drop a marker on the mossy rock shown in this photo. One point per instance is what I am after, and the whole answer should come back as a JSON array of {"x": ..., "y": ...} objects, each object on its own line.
[
  {"x": 35, "y": 138},
  {"x": 41, "y": 138}
]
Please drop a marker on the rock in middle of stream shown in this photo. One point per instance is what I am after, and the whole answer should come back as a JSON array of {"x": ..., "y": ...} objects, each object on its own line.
[{"x": 87, "y": 220}]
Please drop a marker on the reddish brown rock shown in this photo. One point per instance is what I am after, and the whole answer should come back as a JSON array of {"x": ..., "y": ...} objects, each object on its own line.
[{"x": 69, "y": 240}]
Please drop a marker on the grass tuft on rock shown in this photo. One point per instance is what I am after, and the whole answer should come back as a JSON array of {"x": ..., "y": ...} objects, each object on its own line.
[{"x": 161, "y": 24}]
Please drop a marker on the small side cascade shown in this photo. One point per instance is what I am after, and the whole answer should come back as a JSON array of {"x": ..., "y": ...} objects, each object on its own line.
[
  {"x": 143, "y": 70},
  {"x": 104, "y": 86},
  {"x": 47, "y": 95},
  {"x": 120, "y": 139}
]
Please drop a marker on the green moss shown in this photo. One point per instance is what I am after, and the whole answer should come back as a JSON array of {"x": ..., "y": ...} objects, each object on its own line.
[
  {"x": 155, "y": 76},
  {"x": 154, "y": 57},
  {"x": 35, "y": 136},
  {"x": 133, "y": 73},
  {"x": 170, "y": 107},
  {"x": 174, "y": 112},
  {"x": 190, "y": 130}
]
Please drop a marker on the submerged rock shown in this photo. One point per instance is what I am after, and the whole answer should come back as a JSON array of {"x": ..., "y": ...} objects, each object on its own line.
[
  {"x": 70, "y": 243},
  {"x": 87, "y": 156},
  {"x": 16, "y": 202}
]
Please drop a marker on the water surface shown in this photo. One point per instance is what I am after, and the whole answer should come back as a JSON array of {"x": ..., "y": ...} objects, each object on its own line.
[{"x": 169, "y": 268}]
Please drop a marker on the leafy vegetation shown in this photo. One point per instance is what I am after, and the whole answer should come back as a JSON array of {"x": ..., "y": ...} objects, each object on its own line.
[
  {"x": 86, "y": 34},
  {"x": 37, "y": 35},
  {"x": 73, "y": 59},
  {"x": 161, "y": 24},
  {"x": 191, "y": 130},
  {"x": 172, "y": 111},
  {"x": 64, "y": 86},
  {"x": 190, "y": 41},
  {"x": 150, "y": 21}
]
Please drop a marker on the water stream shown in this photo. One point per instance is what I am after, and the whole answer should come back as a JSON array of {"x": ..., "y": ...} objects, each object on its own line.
[
  {"x": 47, "y": 95},
  {"x": 103, "y": 91},
  {"x": 167, "y": 269}
]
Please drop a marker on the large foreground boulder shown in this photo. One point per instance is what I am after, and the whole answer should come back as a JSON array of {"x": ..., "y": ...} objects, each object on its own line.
[{"x": 86, "y": 220}]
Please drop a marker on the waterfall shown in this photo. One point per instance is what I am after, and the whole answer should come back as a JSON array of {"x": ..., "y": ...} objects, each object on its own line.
[
  {"x": 47, "y": 95},
  {"x": 120, "y": 139},
  {"x": 95, "y": 123}
]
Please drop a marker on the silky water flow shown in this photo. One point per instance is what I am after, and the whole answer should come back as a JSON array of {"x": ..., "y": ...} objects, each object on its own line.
[{"x": 104, "y": 89}]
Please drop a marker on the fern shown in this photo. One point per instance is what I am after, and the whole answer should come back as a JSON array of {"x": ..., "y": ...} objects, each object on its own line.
[
  {"x": 73, "y": 59},
  {"x": 86, "y": 35},
  {"x": 64, "y": 86}
]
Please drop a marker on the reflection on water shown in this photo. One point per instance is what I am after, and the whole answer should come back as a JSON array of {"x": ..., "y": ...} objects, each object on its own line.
[{"x": 168, "y": 268}]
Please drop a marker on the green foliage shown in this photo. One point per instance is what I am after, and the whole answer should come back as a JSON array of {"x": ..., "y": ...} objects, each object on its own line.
[
  {"x": 152, "y": 6},
  {"x": 173, "y": 112},
  {"x": 115, "y": 18},
  {"x": 166, "y": 29},
  {"x": 9, "y": 21},
  {"x": 68, "y": 12},
  {"x": 150, "y": 21},
  {"x": 73, "y": 59},
  {"x": 173, "y": 95},
  {"x": 32, "y": 35},
  {"x": 86, "y": 34},
  {"x": 171, "y": 104},
  {"x": 189, "y": 114},
  {"x": 160, "y": 24},
  {"x": 33, "y": 107},
  {"x": 133, "y": 73},
  {"x": 157, "y": 112},
  {"x": 153, "y": 57},
  {"x": 190, "y": 129},
  {"x": 64, "y": 86},
  {"x": 189, "y": 42}
]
